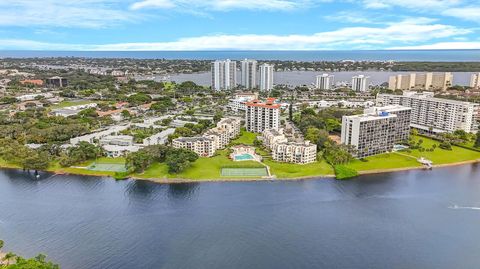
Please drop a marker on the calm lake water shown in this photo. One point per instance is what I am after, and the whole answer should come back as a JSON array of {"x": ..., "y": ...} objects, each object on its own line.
[
  {"x": 298, "y": 78},
  {"x": 413, "y": 219}
]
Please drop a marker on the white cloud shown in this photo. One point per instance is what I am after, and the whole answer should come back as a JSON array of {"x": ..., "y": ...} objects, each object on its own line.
[
  {"x": 62, "y": 13},
  {"x": 467, "y": 13},
  {"x": 223, "y": 5},
  {"x": 451, "y": 8},
  {"x": 412, "y": 4},
  {"x": 441, "y": 46},
  {"x": 401, "y": 33},
  {"x": 23, "y": 44},
  {"x": 352, "y": 17}
]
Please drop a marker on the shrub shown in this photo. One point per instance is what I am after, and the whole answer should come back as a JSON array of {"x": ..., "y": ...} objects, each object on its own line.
[
  {"x": 446, "y": 145},
  {"x": 343, "y": 172}
]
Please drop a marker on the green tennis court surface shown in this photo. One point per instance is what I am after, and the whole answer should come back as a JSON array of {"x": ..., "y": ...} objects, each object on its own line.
[
  {"x": 111, "y": 167},
  {"x": 244, "y": 172}
]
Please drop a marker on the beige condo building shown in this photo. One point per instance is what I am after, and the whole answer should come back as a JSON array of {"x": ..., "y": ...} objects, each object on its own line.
[
  {"x": 475, "y": 81},
  {"x": 421, "y": 81}
]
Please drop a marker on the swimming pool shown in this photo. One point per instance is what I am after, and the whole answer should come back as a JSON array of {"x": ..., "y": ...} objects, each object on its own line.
[
  {"x": 399, "y": 147},
  {"x": 243, "y": 157}
]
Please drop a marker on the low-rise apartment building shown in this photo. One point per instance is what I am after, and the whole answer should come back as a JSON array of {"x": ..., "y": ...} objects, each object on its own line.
[
  {"x": 283, "y": 150},
  {"x": 435, "y": 115},
  {"x": 272, "y": 136},
  {"x": 203, "y": 146},
  {"x": 232, "y": 125},
  {"x": 220, "y": 135},
  {"x": 118, "y": 140},
  {"x": 212, "y": 140},
  {"x": 294, "y": 152}
]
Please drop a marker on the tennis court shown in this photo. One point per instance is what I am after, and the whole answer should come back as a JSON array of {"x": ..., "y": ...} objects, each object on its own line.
[
  {"x": 110, "y": 167},
  {"x": 244, "y": 172}
]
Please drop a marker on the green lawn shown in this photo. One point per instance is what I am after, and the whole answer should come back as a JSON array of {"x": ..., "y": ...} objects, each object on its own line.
[
  {"x": 383, "y": 161},
  {"x": 440, "y": 156},
  {"x": 203, "y": 168},
  {"x": 6, "y": 164},
  {"x": 245, "y": 138},
  {"x": 397, "y": 160},
  {"x": 71, "y": 103},
  {"x": 108, "y": 160},
  {"x": 290, "y": 170},
  {"x": 57, "y": 168}
]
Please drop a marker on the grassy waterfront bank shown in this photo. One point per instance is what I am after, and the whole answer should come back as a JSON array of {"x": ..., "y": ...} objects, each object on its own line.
[
  {"x": 209, "y": 169},
  {"x": 159, "y": 173}
]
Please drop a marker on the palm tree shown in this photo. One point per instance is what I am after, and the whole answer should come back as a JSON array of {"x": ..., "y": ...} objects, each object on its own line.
[{"x": 9, "y": 256}]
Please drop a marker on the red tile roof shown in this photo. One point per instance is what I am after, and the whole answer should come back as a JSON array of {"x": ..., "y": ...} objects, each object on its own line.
[
  {"x": 269, "y": 104},
  {"x": 37, "y": 82}
]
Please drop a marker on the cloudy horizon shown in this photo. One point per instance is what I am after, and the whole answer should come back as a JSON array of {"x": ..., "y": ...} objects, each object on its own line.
[{"x": 170, "y": 25}]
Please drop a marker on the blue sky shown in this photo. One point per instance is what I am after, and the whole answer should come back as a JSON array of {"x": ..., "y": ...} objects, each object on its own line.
[{"x": 239, "y": 24}]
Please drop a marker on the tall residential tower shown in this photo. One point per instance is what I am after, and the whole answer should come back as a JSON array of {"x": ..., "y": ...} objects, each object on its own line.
[
  {"x": 266, "y": 77},
  {"x": 324, "y": 82},
  {"x": 248, "y": 73},
  {"x": 475, "y": 81},
  {"x": 260, "y": 116},
  {"x": 360, "y": 83},
  {"x": 224, "y": 75}
]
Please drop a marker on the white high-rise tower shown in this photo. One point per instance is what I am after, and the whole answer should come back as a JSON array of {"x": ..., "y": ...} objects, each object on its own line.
[
  {"x": 324, "y": 82},
  {"x": 266, "y": 77},
  {"x": 475, "y": 81},
  {"x": 224, "y": 75},
  {"x": 360, "y": 83},
  {"x": 249, "y": 74}
]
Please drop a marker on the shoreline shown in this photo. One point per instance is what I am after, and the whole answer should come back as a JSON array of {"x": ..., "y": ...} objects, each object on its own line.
[{"x": 327, "y": 176}]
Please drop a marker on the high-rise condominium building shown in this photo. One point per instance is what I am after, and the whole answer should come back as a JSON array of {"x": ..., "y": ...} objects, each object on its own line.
[
  {"x": 266, "y": 77},
  {"x": 421, "y": 81},
  {"x": 360, "y": 83},
  {"x": 377, "y": 130},
  {"x": 248, "y": 73},
  {"x": 237, "y": 103},
  {"x": 435, "y": 115},
  {"x": 224, "y": 75},
  {"x": 260, "y": 116},
  {"x": 475, "y": 81},
  {"x": 324, "y": 82}
]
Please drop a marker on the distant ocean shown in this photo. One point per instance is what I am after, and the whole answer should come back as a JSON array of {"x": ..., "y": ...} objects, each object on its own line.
[{"x": 358, "y": 55}]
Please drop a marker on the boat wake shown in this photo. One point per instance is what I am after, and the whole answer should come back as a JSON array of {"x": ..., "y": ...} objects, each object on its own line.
[{"x": 464, "y": 207}]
